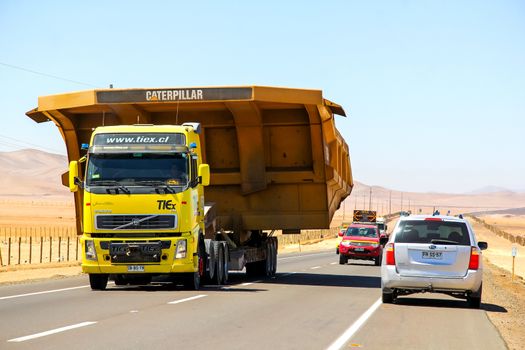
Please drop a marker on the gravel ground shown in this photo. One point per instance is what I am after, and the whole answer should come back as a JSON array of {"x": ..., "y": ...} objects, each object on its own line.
[{"x": 504, "y": 302}]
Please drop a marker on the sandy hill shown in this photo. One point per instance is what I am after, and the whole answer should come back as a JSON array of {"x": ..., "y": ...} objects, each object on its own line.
[
  {"x": 456, "y": 203},
  {"x": 36, "y": 174},
  {"x": 31, "y": 172}
]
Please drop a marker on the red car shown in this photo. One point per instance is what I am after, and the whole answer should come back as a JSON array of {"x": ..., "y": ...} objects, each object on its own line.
[{"x": 361, "y": 242}]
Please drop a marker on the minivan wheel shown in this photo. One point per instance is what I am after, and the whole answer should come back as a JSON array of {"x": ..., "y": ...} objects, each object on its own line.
[
  {"x": 474, "y": 299},
  {"x": 388, "y": 297}
]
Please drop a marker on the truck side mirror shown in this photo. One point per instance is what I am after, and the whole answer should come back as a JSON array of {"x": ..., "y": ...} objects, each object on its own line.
[
  {"x": 204, "y": 174},
  {"x": 73, "y": 176}
]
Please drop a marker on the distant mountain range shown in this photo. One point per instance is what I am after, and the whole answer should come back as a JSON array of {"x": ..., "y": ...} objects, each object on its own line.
[
  {"x": 31, "y": 173},
  {"x": 494, "y": 189}
]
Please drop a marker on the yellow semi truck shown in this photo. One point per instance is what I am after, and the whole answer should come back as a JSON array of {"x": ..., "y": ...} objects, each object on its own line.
[{"x": 270, "y": 159}]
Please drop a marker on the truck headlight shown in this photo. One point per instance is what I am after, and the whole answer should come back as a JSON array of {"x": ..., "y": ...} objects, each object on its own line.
[
  {"x": 91, "y": 253},
  {"x": 180, "y": 252}
]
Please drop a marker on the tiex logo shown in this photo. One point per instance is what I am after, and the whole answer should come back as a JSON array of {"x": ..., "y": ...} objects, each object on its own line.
[{"x": 166, "y": 204}]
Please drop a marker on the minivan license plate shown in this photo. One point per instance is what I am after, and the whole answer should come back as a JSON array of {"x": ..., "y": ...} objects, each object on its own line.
[
  {"x": 136, "y": 268},
  {"x": 432, "y": 255}
]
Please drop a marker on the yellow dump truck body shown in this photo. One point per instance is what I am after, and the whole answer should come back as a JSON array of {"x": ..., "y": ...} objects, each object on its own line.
[{"x": 277, "y": 160}]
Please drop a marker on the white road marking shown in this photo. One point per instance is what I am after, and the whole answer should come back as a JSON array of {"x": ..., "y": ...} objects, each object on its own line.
[
  {"x": 249, "y": 283},
  {"x": 43, "y": 292},
  {"x": 187, "y": 299},
  {"x": 333, "y": 263},
  {"x": 345, "y": 337},
  {"x": 53, "y": 331},
  {"x": 315, "y": 267}
]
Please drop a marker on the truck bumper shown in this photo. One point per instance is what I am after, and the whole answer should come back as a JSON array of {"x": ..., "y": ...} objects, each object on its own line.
[{"x": 105, "y": 263}]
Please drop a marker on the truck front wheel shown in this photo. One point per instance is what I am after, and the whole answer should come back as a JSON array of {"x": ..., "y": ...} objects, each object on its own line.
[{"x": 98, "y": 281}]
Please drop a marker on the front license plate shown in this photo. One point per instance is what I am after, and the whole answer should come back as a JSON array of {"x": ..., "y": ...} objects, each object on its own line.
[
  {"x": 432, "y": 255},
  {"x": 136, "y": 268},
  {"x": 359, "y": 249}
]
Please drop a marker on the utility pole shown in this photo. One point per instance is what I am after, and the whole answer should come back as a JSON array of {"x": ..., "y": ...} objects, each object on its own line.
[
  {"x": 401, "y": 201},
  {"x": 370, "y": 199},
  {"x": 344, "y": 209},
  {"x": 390, "y": 203}
]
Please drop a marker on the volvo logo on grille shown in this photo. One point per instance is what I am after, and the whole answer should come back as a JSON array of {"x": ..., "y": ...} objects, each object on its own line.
[{"x": 135, "y": 222}]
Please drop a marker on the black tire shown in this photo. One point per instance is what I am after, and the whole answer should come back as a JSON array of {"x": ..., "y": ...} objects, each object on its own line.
[
  {"x": 120, "y": 280},
  {"x": 388, "y": 297},
  {"x": 138, "y": 280},
  {"x": 274, "y": 256},
  {"x": 219, "y": 253},
  {"x": 226, "y": 274},
  {"x": 474, "y": 299},
  {"x": 377, "y": 261},
  {"x": 342, "y": 259},
  {"x": 211, "y": 261},
  {"x": 192, "y": 281},
  {"x": 98, "y": 281}
]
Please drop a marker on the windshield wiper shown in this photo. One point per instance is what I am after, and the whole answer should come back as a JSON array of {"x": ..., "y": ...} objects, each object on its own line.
[
  {"x": 116, "y": 186},
  {"x": 158, "y": 184}
]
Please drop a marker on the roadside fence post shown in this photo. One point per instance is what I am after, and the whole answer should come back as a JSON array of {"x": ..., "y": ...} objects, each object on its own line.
[
  {"x": 30, "y": 248},
  {"x": 50, "y": 247},
  {"x": 76, "y": 248},
  {"x": 19, "y": 248},
  {"x": 41, "y": 247},
  {"x": 9, "y": 251},
  {"x": 67, "y": 248},
  {"x": 59, "y": 244}
]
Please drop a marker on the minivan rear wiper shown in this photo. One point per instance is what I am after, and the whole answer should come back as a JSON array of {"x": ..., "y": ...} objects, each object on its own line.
[{"x": 443, "y": 241}]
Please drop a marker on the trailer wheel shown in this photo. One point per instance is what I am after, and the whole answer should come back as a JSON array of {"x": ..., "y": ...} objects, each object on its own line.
[
  {"x": 219, "y": 253},
  {"x": 98, "y": 281},
  {"x": 274, "y": 256},
  {"x": 226, "y": 250},
  {"x": 211, "y": 261}
]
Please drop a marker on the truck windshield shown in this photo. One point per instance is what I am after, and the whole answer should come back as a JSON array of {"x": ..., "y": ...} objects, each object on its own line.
[{"x": 137, "y": 169}]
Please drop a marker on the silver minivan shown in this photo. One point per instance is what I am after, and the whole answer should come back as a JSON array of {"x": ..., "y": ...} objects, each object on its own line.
[{"x": 433, "y": 254}]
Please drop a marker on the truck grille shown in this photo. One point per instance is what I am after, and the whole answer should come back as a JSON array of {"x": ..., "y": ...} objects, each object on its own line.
[{"x": 135, "y": 222}]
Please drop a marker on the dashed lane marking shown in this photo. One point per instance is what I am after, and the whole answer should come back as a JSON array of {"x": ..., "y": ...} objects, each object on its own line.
[
  {"x": 315, "y": 267},
  {"x": 53, "y": 331},
  {"x": 187, "y": 299},
  {"x": 43, "y": 292}
]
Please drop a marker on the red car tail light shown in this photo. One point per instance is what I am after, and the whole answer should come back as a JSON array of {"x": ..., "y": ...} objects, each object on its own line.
[
  {"x": 474, "y": 259},
  {"x": 390, "y": 257}
]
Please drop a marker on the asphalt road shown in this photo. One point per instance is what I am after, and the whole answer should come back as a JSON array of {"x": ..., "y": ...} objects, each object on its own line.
[{"x": 313, "y": 303}]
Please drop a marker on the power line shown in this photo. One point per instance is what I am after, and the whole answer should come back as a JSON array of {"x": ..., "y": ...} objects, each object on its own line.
[
  {"x": 46, "y": 75},
  {"x": 19, "y": 143}
]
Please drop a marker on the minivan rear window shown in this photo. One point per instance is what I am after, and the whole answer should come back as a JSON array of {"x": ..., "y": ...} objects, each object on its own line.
[{"x": 435, "y": 232}]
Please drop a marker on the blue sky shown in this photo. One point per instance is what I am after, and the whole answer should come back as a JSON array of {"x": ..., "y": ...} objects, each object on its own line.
[{"x": 434, "y": 90}]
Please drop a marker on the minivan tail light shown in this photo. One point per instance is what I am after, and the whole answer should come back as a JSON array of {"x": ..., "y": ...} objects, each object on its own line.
[
  {"x": 390, "y": 257},
  {"x": 474, "y": 259}
]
